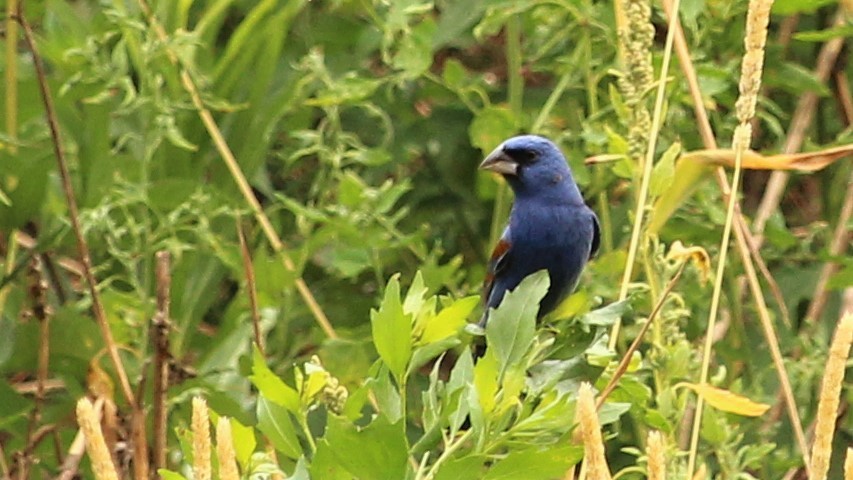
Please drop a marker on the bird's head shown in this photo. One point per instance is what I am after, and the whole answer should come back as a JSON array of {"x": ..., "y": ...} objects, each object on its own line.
[{"x": 534, "y": 166}]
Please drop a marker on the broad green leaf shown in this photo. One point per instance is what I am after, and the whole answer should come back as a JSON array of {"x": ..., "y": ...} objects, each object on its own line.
[
  {"x": 458, "y": 468},
  {"x": 275, "y": 423},
  {"x": 491, "y": 126},
  {"x": 664, "y": 170},
  {"x": 244, "y": 441},
  {"x": 512, "y": 325},
  {"x": 14, "y": 404},
  {"x": 727, "y": 401},
  {"x": 415, "y": 54},
  {"x": 415, "y": 296},
  {"x": 536, "y": 463},
  {"x": 272, "y": 387},
  {"x": 449, "y": 320},
  {"x": 607, "y": 315},
  {"x": 486, "y": 381},
  {"x": 377, "y": 451},
  {"x": 170, "y": 475},
  {"x": 392, "y": 329}
]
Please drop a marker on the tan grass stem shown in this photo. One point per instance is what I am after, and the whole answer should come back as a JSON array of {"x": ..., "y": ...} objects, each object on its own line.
[
  {"x": 102, "y": 464},
  {"x": 830, "y": 392},
  {"x": 647, "y": 174},
  {"x": 201, "y": 440},
  {"x": 758, "y": 17},
  {"x": 593, "y": 444},
  {"x": 237, "y": 174},
  {"x": 848, "y": 459},
  {"x": 225, "y": 450},
  {"x": 657, "y": 461},
  {"x": 747, "y": 244}
]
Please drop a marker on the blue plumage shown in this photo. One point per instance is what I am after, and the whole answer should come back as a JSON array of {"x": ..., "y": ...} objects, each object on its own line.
[{"x": 550, "y": 226}]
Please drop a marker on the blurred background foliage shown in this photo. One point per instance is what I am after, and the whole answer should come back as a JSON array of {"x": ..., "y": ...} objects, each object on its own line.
[{"x": 360, "y": 125}]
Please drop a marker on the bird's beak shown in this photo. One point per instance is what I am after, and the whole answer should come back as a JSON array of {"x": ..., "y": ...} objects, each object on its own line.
[{"x": 499, "y": 161}]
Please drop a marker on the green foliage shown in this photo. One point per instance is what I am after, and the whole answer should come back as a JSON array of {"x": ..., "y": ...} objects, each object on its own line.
[{"x": 360, "y": 126}]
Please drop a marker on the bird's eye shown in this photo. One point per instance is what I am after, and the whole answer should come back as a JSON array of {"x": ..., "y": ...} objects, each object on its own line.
[
  {"x": 523, "y": 156},
  {"x": 528, "y": 156}
]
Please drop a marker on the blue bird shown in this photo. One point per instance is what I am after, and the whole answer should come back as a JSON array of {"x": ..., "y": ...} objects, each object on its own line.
[{"x": 550, "y": 226}]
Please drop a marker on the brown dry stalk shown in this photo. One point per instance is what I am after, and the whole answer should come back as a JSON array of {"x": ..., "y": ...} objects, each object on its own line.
[
  {"x": 758, "y": 17},
  {"x": 201, "y": 440},
  {"x": 747, "y": 244},
  {"x": 840, "y": 242},
  {"x": 234, "y": 168},
  {"x": 800, "y": 122},
  {"x": 160, "y": 325},
  {"x": 102, "y": 464},
  {"x": 42, "y": 313},
  {"x": 225, "y": 450},
  {"x": 657, "y": 461},
  {"x": 251, "y": 287},
  {"x": 140, "y": 450},
  {"x": 830, "y": 392},
  {"x": 11, "y": 36},
  {"x": 635, "y": 345},
  {"x": 593, "y": 445}
]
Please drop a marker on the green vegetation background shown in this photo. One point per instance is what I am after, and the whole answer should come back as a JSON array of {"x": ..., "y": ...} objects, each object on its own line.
[{"x": 360, "y": 126}]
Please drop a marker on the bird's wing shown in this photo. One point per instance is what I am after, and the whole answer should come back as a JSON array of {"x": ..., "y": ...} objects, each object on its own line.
[
  {"x": 596, "y": 237},
  {"x": 497, "y": 264}
]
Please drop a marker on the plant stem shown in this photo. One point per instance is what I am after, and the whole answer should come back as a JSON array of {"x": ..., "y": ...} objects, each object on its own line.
[
  {"x": 647, "y": 172},
  {"x": 515, "y": 98}
]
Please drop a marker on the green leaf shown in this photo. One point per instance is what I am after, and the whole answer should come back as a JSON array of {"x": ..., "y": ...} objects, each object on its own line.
[
  {"x": 825, "y": 35},
  {"x": 170, "y": 475},
  {"x": 449, "y": 320},
  {"x": 792, "y": 7},
  {"x": 274, "y": 422},
  {"x": 607, "y": 315},
  {"x": 512, "y": 325},
  {"x": 272, "y": 387},
  {"x": 536, "y": 463},
  {"x": 377, "y": 451},
  {"x": 392, "y": 329},
  {"x": 415, "y": 54},
  {"x": 664, "y": 170},
  {"x": 244, "y": 441},
  {"x": 491, "y": 126}
]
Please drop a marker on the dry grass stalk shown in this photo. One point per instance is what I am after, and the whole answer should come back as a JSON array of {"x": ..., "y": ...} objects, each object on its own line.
[
  {"x": 102, "y": 464},
  {"x": 657, "y": 462},
  {"x": 236, "y": 173},
  {"x": 830, "y": 391},
  {"x": 848, "y": 464},
  {"x": 593, "y": 445},
  {"x": 225, "y": 451},
  {"x": 757, "y": 19},
  {"x": 201, "y": 440}
]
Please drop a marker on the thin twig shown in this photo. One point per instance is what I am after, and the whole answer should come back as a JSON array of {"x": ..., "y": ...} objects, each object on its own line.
[
  {"x": 160, "y": 326},
  {"x": 73, "y": 213},
  {"x": 41, "y": 311},
  {"x": 626, "y": 358},
  {"x": 11, "y": 40},
  {"x": 800, "y": 122},
  {"x": 234, "y": 168},
  {"x": 845, "y": 99},
  {"x": 251, "y": 287},
  {"x": 140, "y": 451},
  {"x": 840, "y": 242}
]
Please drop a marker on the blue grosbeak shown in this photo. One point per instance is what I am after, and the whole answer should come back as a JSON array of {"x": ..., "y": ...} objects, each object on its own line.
[{"x": 550, "y": 226}]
